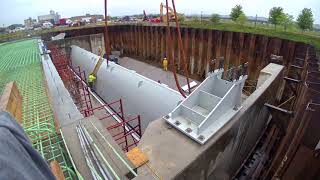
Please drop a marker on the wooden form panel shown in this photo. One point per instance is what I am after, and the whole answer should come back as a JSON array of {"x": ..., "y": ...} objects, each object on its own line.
[
  {"x": 56, "y": 170},
  {"x": 11, "y": 101}
]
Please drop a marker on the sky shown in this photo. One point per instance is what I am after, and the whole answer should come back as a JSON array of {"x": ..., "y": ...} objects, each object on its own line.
[{"x": 15, "y": 11}]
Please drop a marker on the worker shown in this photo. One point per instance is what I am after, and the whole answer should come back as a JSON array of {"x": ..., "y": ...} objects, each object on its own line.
[
  {"x": 165, "y": 64},
  {"x": 91, "y": 80}
]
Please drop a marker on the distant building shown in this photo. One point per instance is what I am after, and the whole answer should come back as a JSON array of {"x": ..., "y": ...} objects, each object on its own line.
[
  {"x": 87, "y": 18},
  {"x": 14, "y": 26},
  {"x": 52, "y": 18},
  {"x": 29, "y": 22}
]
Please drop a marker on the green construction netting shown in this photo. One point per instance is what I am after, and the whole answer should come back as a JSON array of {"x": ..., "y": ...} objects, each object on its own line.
[{"x": 20, "y": 62}]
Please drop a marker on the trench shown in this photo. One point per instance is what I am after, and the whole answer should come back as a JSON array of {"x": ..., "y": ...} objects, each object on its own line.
[{"x": 148, "y": 44}]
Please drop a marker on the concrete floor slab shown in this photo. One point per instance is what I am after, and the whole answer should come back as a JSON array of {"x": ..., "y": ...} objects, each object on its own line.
[{"x": 154, "y": 73}]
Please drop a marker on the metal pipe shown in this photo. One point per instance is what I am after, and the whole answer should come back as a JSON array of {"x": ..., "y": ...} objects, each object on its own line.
[
  {"x": 85, "y": 151},
  {"x": 102, "y": 170},
  {"x": 103, "y": 166},
  {"x": 68, "y": 152},
  {"x": 97, "y": 148},
  {"x": 106, "y": 36},
  {"x": 121, "y": 109},
  {"x": 114, "y": 150}
]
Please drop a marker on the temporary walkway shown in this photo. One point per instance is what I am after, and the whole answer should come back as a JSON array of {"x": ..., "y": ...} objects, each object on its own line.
[{"x": 20, "y": 62}]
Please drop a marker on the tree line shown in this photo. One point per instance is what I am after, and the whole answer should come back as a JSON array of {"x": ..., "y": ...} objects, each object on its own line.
[{"x": 277, "y": 16}]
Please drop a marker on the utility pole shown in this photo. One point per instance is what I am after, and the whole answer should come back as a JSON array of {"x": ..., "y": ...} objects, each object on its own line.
[{"x": 201, "y": 17}]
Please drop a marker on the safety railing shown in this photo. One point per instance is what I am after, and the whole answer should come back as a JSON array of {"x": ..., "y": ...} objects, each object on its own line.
[{"x": 75, "y": 81}]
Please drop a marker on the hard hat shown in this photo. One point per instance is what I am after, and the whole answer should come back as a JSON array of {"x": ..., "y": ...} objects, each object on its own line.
[{"x": 165, "y": 58}]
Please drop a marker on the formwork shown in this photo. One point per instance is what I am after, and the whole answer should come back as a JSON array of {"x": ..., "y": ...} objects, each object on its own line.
[{"x": 20, "y": 62}]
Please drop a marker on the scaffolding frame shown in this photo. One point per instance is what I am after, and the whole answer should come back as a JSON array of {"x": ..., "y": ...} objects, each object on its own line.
[{"x": 76, "y": 83}]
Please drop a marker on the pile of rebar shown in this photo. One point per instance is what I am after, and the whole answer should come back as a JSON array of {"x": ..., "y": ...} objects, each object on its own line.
[{"x": 93, "y": 155}]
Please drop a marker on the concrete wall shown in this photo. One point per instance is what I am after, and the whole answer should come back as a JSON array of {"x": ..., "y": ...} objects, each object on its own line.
[
  {"x": 140, "y": 95},
  {"x": 175, "y": 156},
  {"x": 89, "y": 42}
]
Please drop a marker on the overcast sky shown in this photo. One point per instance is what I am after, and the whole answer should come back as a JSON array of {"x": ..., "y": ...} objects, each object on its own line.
[{"x": 15, "y": 11}]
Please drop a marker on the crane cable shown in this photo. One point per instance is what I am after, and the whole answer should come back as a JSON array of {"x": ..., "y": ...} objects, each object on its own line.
[
  {"x": 106, "y": 34},
  {"x": 181, "y": 47},
  {"x": 169, "y": 48},
  {"x": 107, "y": 47}
]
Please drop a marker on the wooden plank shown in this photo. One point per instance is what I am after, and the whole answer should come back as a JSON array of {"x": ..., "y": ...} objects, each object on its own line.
[
  {"x": 209, "y": 51},
  {"x": 251, "y": 57},
  {"x": 201, "y": 48},
  {"x": 174, "y": 47},
  {"x": 157, "y": 44},
  {"x": 132, "y": 39},
  {"x": 177, "y": 51},
  {"x": 136, "y": 40},
  {"x": 163, "y": 46},
  {"x": 228, "y": 50},
  {"x": 141, "y": 39},
  {"x": 218, "y": 44},
  {"x": 56, "y": 170},
  {"x": 149, "y": 41},
  {"x": 186, "y": 48},
  {"x": 11, "y": 101},
  {"x": 137, "y": 157},
  {"x": 262, "y": 59},
  {"x": 97, "y": 66},
  {"x": 241, "y": 46},
  {"x": 193, "y": 50}
]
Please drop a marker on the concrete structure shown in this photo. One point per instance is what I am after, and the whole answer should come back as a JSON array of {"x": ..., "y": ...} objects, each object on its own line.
[
  {"x": 172, "y": 155},
  {"x": 248, "y": 147},
  {"x": 88, "y": 18},
  {"x": 66, "y": 110},
  {"x": 142, "y": 96},
  {"x": 28, "y": 23},
  {"x": 52, "y": 17},
  {"x": 209, "y": 107},
  {"x": 70, "y": 117},
  {"x": 89, "y": 43}
]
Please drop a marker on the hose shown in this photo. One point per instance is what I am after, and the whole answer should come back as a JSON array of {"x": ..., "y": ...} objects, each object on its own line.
[
  {"x": 106, "y": 34},
  {"x": 181, "y": 47},
  {"x": 169, "y": 42}
]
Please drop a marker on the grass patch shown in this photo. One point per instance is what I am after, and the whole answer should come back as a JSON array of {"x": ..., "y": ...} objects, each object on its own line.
[
  {"x": 292, "y": 33},
  {"x": 311, "y": 37}
]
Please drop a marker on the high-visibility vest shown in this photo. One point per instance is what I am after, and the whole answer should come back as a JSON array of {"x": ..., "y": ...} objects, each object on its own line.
[
  {"x": 91, "y": 78},
  {"x": 165, "y": 62}
]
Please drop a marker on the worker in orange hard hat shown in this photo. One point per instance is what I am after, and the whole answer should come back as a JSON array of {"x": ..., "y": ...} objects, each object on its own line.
[{"x": 165, "y": 64}]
